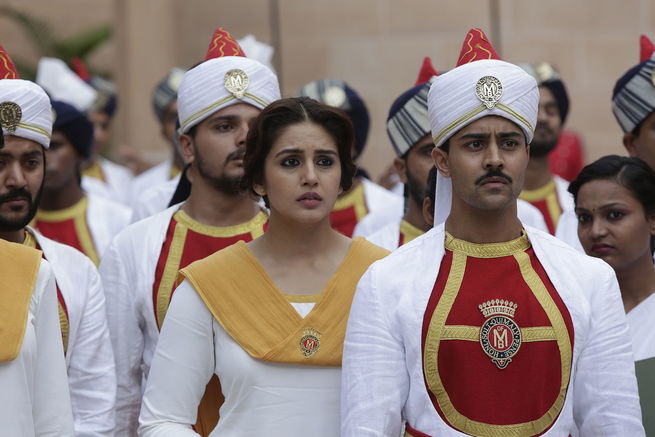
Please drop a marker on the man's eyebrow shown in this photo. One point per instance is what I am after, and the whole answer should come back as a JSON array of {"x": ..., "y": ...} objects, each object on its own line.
[
  {"x": 510, "y": 134},
  {"x": 222, "y": 118},
  {"x": 474, "y": 136}
]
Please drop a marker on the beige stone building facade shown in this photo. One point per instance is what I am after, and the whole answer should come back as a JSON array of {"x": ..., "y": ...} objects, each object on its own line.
[{"x": 375, "y": 45}]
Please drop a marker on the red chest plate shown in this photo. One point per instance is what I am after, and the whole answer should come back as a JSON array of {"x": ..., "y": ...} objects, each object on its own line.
[{"x": 497, "y": 341}]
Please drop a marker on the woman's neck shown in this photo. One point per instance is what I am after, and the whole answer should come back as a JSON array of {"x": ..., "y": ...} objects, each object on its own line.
[
  {"x": 636, "y": 281},
  {"x": 292, "y": 240}
]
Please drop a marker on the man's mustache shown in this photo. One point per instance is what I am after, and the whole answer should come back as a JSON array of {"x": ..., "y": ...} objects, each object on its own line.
[
  {"x": 16, "y": 194},
  {"x": 493, "y": 174}
]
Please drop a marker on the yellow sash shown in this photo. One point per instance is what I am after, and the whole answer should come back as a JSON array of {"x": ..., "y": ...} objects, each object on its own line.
[
  {"x": 19, "y": 268},
  {"x": 245, "y": 301}
]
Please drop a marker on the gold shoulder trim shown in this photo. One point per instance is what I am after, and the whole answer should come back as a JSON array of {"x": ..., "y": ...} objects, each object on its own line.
[
  {"x": 539, "y": 193},
  {"x": 60, "y": 215},
  {"x": 488, "y": 250},
  {"x": 254, "y": 225}
]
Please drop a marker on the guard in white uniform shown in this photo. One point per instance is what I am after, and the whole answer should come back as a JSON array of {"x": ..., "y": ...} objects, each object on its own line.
[
  {"x": 484, "y": 326},
  {"x": 34, "y": 399},
  {"x": 141, "y": 265}
]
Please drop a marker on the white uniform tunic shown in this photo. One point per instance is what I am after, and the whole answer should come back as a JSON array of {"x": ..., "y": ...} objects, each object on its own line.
[
  {"x": 383, "y": 379},
  {"x": 89, "y": 357},
  {"x": 128, "y": 272},
  {"x": 34, "y": 399},
  {"x": 152, "y": 177},
  {"x": 261, "y": 398},
  {"x": 154, "y": 199},
  {"x": 641, "y": 320},
  {"x": 117, "y": 185}
]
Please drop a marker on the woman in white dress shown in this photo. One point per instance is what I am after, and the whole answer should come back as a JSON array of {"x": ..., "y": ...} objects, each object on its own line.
[
  {"x": 268, "y": 317},
  {"x": 615, "y": 206}
]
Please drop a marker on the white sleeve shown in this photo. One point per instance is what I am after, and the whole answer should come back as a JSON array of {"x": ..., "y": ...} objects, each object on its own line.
[
  {"x": 127, "y": 337},
  {"x": 375, "y": 382},
  {"x": 181, "y": 368},
  {"x": 92, "y": 372},
  {"x": 51, "y": 404},
  {"x": 605, "y": 400}
]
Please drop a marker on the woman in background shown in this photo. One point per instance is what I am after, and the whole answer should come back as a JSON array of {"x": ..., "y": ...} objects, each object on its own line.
[{"x": 615, "y": 206}]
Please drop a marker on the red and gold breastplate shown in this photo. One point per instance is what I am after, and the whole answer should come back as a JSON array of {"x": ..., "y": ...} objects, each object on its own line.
[
  {"x": 187, "y": 241},
  {"x": 546, "y": 201},
  {"x": 68, "y": 226},
  {"x": 348, "y": 210},
  {"x": 497, "y": 340}
]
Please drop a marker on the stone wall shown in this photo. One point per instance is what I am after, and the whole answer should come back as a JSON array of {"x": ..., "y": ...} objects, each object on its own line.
[{"x": 375, "y": 45}]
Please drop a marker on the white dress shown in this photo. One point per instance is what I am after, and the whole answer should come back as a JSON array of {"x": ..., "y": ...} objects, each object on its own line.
[
  {"x": 34, "y": 399},
  {"x": 261, "y": 398},
  {"x": 383, "y": 379}
]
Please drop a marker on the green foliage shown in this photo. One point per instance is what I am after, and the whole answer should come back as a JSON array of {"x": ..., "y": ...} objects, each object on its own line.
[{"x": 45, "y": 43}]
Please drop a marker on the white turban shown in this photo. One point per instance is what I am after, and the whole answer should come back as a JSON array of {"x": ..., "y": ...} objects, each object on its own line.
[
  {"x": 25, "y": 111},
  {"x": 222, "y": 82},
  {"x": 456, "y": 99}
]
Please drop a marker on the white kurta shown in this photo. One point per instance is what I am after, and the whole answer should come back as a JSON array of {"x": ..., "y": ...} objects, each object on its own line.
[
  {"x": 34, "y": 399},
  {"x": 89, "y": 357},
  {"x": 154, "y": 199},
  {"x": 128, "y": 271},
  {"x": 383, "y": 207},
  {"x": 567, "y": 230},
  {"x": 117, "y": 185},
  {"x": 374, "y": 222},
  {"x": 565, "y": 198},
  {"x": 152, "y": 177},
  {"x": 641, "y": 321},
  {"x": 105, "y": 219},
  {"x": 383, "y": 381},
  {"x": 261, "y": 398},
  {"x": 387, "y": 237}
]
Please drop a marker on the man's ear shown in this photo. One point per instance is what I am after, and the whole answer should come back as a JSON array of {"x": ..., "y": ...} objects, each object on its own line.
[
  {"x": 441, "y": 161},
  {"x": 188, "y": 148},
  {"x": 401, "y": 168},
  {"x": 629, "y": 141}
]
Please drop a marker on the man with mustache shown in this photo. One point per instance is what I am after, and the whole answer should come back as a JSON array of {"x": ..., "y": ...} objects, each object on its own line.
[
  {"x": 408, "y": 128},
  {"x": 66, "y": 213},
  {"x": 216, "y": 101},
  {"x": 484, "y": 326},
  {"x": 81, "y": 311},
  {"x": 543, "y": 189}
]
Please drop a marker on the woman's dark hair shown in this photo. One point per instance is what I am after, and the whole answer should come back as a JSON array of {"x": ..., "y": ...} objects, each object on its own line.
[
  {"x": 631, "y": 173},
  {"x": 278, "y": 116}
]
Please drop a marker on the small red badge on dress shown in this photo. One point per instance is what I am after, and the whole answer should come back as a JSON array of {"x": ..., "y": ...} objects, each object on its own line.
[{"x": 310, "y": 342}]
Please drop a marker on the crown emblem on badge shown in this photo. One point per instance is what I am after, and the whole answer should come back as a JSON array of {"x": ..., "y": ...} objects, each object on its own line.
[
  {"x": 498, "y": 306},
  {"x": 10, "y": 116},
  {"x": 500, "y": 336},
  {"x": 489, "y": 90},
  {"x": 236, "y": 81},
  {"x": 309, "y": 342}
]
